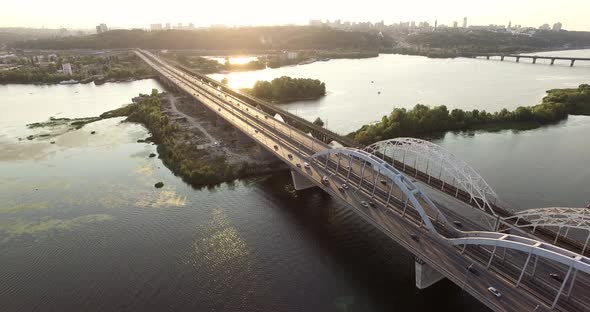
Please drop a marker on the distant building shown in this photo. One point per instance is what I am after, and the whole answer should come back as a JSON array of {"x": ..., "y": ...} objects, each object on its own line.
[
  {"x": 465, "y": 22},
  {"x": 510, "y": 25},
  {"x": 101, "y": 28},
  {"x": 168, "y": 26},
  {"x": 557, "y": 26},
  {"x": 315, "y": 22},
  {"x": 191, "y": 26},
  {"x": 292, "y": 55},
  {"x": 67, "y": 68},
  {"x": 455, "y": 24},
  {"x": 545, "y": 27},
  {"x": 156, "y": 27}
]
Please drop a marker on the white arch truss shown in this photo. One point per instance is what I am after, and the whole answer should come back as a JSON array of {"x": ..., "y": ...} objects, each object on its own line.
[
  {"x": 560, "y": 217},
  {"x": 413, "y": 193},
  {"x": 463, "y": 176},
  {"x": 555, "y": 216},
  {"x": 462, "y": 238}
]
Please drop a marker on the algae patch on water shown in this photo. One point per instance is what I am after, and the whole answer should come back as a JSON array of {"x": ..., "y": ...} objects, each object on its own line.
[{"x": 47, "y": 224}]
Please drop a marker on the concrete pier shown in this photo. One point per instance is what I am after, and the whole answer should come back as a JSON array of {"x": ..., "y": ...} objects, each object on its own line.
[
  {"x": 426, "y": 276},
  {"x": 300, "y": 182}
]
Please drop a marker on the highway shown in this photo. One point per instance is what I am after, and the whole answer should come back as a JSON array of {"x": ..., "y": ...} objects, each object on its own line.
[{"x": 391, "y": 213}]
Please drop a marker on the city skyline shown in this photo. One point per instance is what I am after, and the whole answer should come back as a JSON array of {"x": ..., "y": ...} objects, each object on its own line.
[{"x": 141, "y": 15}]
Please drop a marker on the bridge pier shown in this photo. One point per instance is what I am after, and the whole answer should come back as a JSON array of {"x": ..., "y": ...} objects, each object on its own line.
[
  {"x": 426, "y": 276},
  {"x": 300, "y": 182},
  {"x": 534, "y": 60},
  {"x": 572, "y": 63},
  {"x": 501, "y": 57},
  {"x": 517, "y": 59},
  {"x": 487, "y": 57},
  {"x": 552, "y": 61}
]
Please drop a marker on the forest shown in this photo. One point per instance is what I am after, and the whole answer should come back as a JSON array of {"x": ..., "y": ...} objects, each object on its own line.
[{"x": 236, "y": 39}]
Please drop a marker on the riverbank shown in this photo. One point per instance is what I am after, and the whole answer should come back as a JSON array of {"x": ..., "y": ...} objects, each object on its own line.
[
  {"x": 424, "y": 121},
  {"x": 191, "y": 142},
  {"x": 49, "y": 69}
]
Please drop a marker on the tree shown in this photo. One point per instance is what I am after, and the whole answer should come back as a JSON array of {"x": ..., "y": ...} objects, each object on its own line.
[{"x": 318, "y": 122}]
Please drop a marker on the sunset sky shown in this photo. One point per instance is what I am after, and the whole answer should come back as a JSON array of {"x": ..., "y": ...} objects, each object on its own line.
[{"x": 574, "y": 14}]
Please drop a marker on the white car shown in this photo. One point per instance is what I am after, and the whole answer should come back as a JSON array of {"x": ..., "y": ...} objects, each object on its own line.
[
  {"x": 495, "y": 292},
  {"x": 306, "y": 165}
]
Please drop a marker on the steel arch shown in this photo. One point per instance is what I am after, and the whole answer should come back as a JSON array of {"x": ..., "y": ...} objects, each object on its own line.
[
  {"x": 464, "y": 175},
  {"x": 477, "y": 238},
  {"x": 408, "y": 188},
  {"x": 554, "y": 216}
]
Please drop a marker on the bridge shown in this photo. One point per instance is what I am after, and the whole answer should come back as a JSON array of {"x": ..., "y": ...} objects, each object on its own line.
[
  {"x": 534, "y": 58},
  {"x": 446, "y": 215}
]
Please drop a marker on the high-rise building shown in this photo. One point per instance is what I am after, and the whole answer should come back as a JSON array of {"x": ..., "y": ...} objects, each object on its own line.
[
  {"x": 168, "y": 26},
  {"x": 557, "y": 26},
  {"x": 509, "y": 24},
  {"x": 67, "y": 68},
  {"x": 455, "y": 24},
  {"x": 101, "y": 28},
  {"x": 545, "y": 27},
  {"x": 156, "y": 27},
  {"x": 465, "y": 22}
]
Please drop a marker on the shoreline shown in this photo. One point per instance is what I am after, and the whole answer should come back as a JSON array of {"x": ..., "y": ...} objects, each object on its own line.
[{"x": 191, "y": 144}]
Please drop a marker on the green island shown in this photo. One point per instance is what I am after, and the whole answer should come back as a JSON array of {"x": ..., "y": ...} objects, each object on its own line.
[
  {"x": 286, "y": 89},
  {"x": 424, "y": 121},
  {"x": 85, "y": 68}
]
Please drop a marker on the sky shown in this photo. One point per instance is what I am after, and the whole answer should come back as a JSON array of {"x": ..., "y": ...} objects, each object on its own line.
[{"x": 573, "y": 14}]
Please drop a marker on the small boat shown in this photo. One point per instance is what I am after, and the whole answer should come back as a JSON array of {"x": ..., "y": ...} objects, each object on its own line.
[{"x": 69, "y": 82}]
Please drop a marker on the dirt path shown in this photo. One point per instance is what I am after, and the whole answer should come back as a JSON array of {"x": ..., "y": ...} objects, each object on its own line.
[{"x": 190, "y": 119}]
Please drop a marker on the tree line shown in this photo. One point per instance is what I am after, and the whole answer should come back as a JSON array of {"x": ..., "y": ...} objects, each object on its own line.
[
  {"x": 243, "y": 38},
  {"x": 422, "y": 120}
]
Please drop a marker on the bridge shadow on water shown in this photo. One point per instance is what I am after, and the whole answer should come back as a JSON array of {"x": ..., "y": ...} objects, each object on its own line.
[{"x": 377, "y": 272}]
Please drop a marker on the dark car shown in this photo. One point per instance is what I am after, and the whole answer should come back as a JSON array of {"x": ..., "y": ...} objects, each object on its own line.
[{"x": 473, "y": 271}]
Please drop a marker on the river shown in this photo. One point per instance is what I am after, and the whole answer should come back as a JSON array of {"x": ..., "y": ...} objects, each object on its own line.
[{"x": 83, "y": 228}]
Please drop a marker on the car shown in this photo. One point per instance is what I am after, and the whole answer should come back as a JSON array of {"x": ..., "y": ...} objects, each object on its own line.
[
  {"x": 306, "y": 165},
  {"x": 383, "y": 182},
  {"x": 325, "y": 180},
  {"x": 555, "y": 276},
  {"x": 364, "y": 204},
  {"x": 372, "y": 203},
  {"x": 345, "y": 186},
  {"x": 494, "y": 292},
  {"x": 255, "y": 130},
  {"x": 256, "y": 116},
  {"x": 472, "y": 270},
  {"x": 458, "y": 223},
  {"x": 415, "y": 237},
  {"x": 246, "y": 108},
  {"x": 290, "y": 156},
  {"x": 265, "y": 117},
  {"x": 276, "y": 147},
  {"x": 298, "y": 165},
  {"x": 340, "y": 189},
  {"x": 219, "y": 109}
]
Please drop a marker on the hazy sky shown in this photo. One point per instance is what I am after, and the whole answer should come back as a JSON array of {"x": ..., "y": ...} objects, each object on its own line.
[{"x": 574, "y": 14}]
